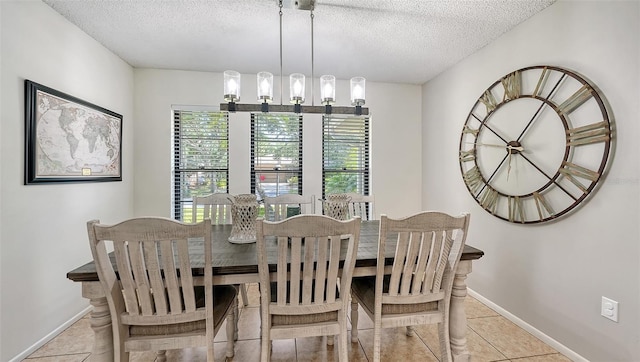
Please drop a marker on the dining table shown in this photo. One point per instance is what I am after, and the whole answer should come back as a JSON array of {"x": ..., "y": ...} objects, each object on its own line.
[{"x": 235, "y": 263}]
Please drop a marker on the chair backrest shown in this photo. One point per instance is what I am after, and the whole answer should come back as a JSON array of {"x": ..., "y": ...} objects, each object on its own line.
[
  {"x": 280, "y": 207},
  {"x": 428, "y": 247},
  {"x": 216, "y": 207},
  {"x": 361, "y": 205},
  {"x": 154, "y": 283},
  {"x": 308, "y": 250}
]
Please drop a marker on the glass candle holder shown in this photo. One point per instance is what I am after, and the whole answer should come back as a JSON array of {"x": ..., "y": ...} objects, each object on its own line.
[{"x": 231, "y": 86}]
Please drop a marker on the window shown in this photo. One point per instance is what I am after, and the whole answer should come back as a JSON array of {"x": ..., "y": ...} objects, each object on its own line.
[
  {"x": 276, "y": 154},
  {"x": 200, "y": 157},
  {"x": 345, "y": 154}
]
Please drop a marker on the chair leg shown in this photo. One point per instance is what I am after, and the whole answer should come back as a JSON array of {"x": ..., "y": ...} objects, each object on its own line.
[
  {"x": 445, "y": 342},
  {"x": 243, "y": 292},
  {"x": 354, "y": 321},
  {"x": 330, "y": 340},
  {"x": 236, "y": 317},
  {"x": 343, "y": 348},
  {"x": 232, "y": 328},
  {"x": 265, "y": 343},
  {"x": 377, "y": 340}
]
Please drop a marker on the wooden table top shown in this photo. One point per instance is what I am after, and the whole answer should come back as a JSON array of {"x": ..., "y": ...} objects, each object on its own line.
[{"x": 231, "y": 258}]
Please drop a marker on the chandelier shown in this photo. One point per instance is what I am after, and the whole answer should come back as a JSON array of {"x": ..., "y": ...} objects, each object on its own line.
[{"x": 296, "y": 85}]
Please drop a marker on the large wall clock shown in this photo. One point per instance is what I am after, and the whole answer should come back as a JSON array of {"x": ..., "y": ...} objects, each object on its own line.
[{"x": 535, "y": 145}]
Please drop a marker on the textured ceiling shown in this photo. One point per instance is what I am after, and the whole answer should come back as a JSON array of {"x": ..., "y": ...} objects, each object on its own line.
[{"x": 399, "y": 41}]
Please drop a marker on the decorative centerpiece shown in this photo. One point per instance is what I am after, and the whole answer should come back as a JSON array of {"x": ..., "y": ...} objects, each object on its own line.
[
  {"x": 244, "y": 211},
  {"x": 337, "y": 206}
]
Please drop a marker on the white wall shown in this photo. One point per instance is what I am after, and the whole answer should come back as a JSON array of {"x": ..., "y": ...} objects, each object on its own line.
[
  {"x": 42, "y": 227},
  {"x": 553, "y": 275},
  {"x": 395, "y": 138}
]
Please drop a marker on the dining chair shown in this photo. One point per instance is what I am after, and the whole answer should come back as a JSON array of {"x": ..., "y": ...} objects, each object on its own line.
[
  {"x": 417, "y": 289},
  {"x": 153, "y": 299},
  {"x": 361, "y": 205},
  {"x": 309, "y": 295},
  {"x": 217, "y": 208},
  {"x": 277, "y": 208}
]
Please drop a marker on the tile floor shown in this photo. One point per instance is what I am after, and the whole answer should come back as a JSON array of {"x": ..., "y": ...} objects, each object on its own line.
[{"x": 490, "y": 337}]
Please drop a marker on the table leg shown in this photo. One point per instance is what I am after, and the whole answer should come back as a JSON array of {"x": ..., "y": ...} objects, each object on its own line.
[
  {"x": 100, "y": 320},
  {"x": 458, "y": 317}
]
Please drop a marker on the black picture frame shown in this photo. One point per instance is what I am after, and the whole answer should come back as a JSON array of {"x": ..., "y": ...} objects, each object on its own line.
[{"x": 68, "y": 139}]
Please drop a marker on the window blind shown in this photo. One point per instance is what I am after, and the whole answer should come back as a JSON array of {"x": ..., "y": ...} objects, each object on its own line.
[
  {"x": 200, "y": 157},
  {"x": 276, "y": 154},
  {"x": 345, "y": 154}
]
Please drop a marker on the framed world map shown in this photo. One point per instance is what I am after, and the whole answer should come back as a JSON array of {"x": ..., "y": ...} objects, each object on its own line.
[{"x": 68, "y": 139}]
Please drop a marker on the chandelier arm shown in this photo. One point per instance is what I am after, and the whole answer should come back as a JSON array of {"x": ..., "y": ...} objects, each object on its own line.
[{"x": 281, "y": 87}]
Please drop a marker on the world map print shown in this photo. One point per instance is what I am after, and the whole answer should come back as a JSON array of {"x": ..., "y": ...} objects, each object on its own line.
[{"x": 73, "y": 140}]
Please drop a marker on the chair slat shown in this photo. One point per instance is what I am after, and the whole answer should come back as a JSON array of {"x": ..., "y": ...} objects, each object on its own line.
[
  {"x": 447, "y": 243},
  {"x": 171, "y": 278},
  {"x": 143, "y": 289},
  {"x": 155, "y": 277},
  {"x": 415, "y": 240},
  {"x": 434, "y": 260},
  {"x": 185, "y": 278},
  {"x": 402, "y": 247},
  {"x": 126, "y": 277},
  {"x": 294, "y": 290},
  {"x": 282, "y": 275},
  {"x": 332, "y": 272},
  {"x": 425, "y": 249},
  {"x": 308, "y": 274},
  {"x": 321, "y": 268}
]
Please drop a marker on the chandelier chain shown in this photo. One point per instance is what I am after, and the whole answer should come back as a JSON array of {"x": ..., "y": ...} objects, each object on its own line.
[
  {"x": 312, "y": 72},
  {"x": 281, "y": 84}
]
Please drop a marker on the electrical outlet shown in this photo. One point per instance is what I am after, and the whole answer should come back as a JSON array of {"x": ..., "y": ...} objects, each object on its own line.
[{"x": 609, "y": 309}]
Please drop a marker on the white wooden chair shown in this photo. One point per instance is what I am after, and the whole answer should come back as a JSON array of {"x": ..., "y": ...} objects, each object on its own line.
[
  {"x": 154, "y": 303},
  {"x": 278, "y": 208},
  {"x": 361, "y": 205},
  {"x": 418, "y": 288},
  {"x": 217, "y": 207},
  {"x": 304, "y": 301}
]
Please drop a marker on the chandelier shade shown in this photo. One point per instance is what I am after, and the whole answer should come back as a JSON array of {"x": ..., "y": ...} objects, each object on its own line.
[
  {"x": 265, "y": 87},
  {"x": 231, "y": 86},
  {"x": 327, "y": 89},
  {"x": 357, "y": 91}
]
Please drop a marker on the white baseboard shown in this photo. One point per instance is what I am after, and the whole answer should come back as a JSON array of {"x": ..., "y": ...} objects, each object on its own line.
[
  {"x": 529, "y": 328},
  {"x": 50, "y": 336}
]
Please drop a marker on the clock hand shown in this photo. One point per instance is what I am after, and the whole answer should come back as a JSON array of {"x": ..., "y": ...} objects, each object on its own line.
[{"x": 508, "y": 147}]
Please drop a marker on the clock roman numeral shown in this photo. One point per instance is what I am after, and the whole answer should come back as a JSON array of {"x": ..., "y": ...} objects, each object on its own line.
[
  {"x": 516, "y": 212},
  {"x": 592, "y": 133},
  {"x": 469, "y": 155},
  {"x": 575, "y": 101},
  {"x": 488, "y": 100},
  {"x": 512, "y": 86},
  {"x": 489, "y": 199},
  {"x": 571, "y": 171},
  {"x": 469, "y": 130},
  {"x": 541, "y": 82},
  {"x": 544, "y": 209},
  {"x": 473, "y": 179}
]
